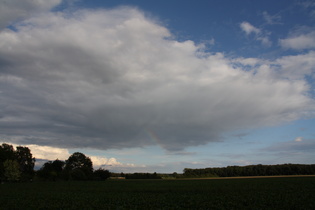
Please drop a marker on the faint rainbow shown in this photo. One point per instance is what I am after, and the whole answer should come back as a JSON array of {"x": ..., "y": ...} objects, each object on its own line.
[{"x": 154, "y": 137}]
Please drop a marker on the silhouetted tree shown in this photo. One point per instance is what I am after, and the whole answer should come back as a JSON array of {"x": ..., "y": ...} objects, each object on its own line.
[
  {"x": 78, "y": 162},
  {"x": 24, "y": 158},
  {"x": 26, "y": 161},
  {"x": 101, "y": 174},
  {"x": 51, "y": 170}
]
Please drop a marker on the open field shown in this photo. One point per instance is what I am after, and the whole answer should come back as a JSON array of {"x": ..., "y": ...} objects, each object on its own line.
[{"x": 262, "y": 193}]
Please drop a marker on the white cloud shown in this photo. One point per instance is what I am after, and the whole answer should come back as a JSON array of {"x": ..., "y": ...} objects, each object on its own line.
[
  {"x": 112, "y": 79},
  {"x": 46, "y": 152},
  {"x": 300, "y": 42},
  {"x": 259, "y": 35},
  {"x": 13, "y": 10},
  {"x": 298, "y": 66},
  {"x": 249, "y": 28},
  {"x": 99, "y": 161}
]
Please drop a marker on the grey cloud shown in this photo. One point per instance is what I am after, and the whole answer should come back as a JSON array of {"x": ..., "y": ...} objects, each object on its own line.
[
  {"x": 115, "y": 79},
  {"x": 14, "y": 10},
  {"x": 305, "y": 145}
]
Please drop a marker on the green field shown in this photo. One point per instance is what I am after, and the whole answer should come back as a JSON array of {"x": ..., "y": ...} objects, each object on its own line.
[{"x": 262, "y": 193}]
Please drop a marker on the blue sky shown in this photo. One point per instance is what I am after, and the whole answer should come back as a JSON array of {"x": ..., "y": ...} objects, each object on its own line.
[{"x": 159, "y": 86}]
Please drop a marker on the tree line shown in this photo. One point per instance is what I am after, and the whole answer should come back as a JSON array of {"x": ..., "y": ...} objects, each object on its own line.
[
  {"x": 252, "y": 170},
  {"x": 76, "y": 167},
  {"x": 18, "y": 165}
]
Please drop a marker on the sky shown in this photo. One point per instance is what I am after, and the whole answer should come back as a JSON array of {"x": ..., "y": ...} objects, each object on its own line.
[{"x": 159, "y": 86}]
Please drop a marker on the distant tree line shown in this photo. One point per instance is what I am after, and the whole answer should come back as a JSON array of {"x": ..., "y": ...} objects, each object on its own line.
[
  {"x": 16, "y": 164},
  {"x": 143, "y": 176},
  {"x": 252, "y": 170}
]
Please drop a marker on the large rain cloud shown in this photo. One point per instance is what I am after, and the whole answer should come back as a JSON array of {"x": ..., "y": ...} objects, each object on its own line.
[{"x": 116, "y": 79}]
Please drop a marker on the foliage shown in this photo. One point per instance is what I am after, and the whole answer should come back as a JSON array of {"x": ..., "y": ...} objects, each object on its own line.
[
  {"x": 12, "y": 170},
  {"x": 252, "y": 170},
  {"x": 101, "y": 174},
  {"x": 260, "y": 193},
  {"x": 26, "y": 161},
  {"x": 51, "y": 170},
  {"x": 79, "y": 162},
  {"x": 6, "y": 153},
  {"x": 22, "y": 156},
  {"x": 76, "y": 167},
  {"x": 78, "y": 174},
  {"x": 143, "y": 176}
]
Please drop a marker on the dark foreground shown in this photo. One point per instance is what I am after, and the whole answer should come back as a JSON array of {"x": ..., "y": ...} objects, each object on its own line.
[{"x": 263, "y": 193}]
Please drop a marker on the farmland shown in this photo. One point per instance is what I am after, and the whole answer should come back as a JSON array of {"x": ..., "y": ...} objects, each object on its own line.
[{"x": 262, "y": 193}]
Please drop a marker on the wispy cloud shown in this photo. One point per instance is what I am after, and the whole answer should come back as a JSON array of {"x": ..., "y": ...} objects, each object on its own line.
[
  {"x": 258, "y": 33},
  {"x": 272, "y": 19}
]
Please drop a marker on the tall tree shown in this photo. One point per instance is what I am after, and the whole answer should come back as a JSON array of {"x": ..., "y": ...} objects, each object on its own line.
[
  {"x": 26, "y": 161},
  {"x": 78, "y": 163}
]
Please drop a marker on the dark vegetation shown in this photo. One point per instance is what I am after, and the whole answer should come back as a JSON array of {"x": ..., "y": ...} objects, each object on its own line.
[
  {"x": 143, "y": 176},
  {"x": 252, "y": 170},
  {"x": 262, "y": 193},
  {"x": 16, "y": 164},
  {"x": 77, "y": 167}
]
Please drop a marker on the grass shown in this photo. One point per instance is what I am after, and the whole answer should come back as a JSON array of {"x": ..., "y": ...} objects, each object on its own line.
[{"x": 263, "y": 193}]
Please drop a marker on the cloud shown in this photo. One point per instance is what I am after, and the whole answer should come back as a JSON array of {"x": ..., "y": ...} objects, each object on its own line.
[
  {"x": 258, "y": 33},
  {"x": 298, "y": 139},
  {"x": 109, "y": 79},
  {"x": 14, "y": 10},
  {"x": 240, "y": 135},
  {"x": 298, "y": 146},
  {"x": 46, "y": 152},
  {"x": 249, "y": 28},
  {"x": 298, "y": 66},
  {"x": 299, "y": 42},
  {"x": 309, "y": 7},
  {"x": 271, "y": 19},
  {"x": 99, "y": 161}
]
